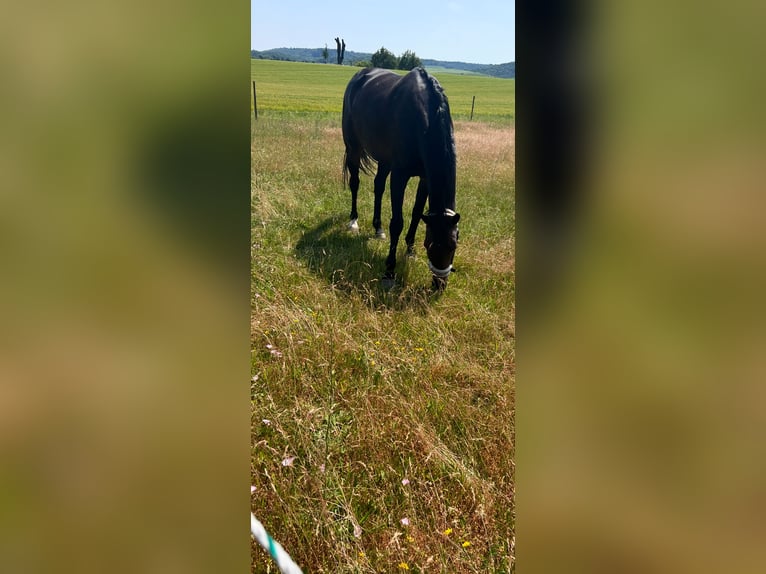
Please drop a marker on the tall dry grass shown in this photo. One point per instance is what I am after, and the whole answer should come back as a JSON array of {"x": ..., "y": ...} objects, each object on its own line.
[{"x": 382, "y": 421}]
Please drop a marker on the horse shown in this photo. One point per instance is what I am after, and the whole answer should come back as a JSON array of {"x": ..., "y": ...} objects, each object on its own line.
[{"x": 403, "y": 123}]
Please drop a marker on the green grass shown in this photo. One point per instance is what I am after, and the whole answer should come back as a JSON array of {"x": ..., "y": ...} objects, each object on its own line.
[
  {"x": 295, "y": 87},
  {"x": 367, "y": 387}
]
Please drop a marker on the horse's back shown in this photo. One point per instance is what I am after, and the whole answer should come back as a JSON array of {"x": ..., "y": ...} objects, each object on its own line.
[{"x": 382, "y": 112}]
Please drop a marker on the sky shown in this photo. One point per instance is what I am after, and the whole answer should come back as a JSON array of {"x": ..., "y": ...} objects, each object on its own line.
[{"x": 476, "y": 31}]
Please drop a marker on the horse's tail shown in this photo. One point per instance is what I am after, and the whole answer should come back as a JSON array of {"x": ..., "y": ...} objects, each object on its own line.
[
  {"x": 358, "y": 157},
  {"x": 355, "y": 154}
]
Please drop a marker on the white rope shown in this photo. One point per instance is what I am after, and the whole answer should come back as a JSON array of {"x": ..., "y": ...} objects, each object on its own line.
[
  {"x": 282, "y": 558},
  {"x": 440, "y": 273}
]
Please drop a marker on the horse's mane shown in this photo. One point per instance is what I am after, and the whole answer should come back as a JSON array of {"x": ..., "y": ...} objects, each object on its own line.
[{"x": 440, "y": 132}]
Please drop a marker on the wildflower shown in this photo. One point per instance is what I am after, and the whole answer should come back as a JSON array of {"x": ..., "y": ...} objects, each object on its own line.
[
  {"x": 448, "y": 532},
  {"x": 252, "y": 489},
  {"x": 254, "y": 379},
  {"x": 372, "y": 363},
  {"x": 410, "y": 539},
  {"x": 403, "y": 566},
  {"x": 267, "y": 422},
  {"x": 405, "y": 521},
  {"x": 362, "y": 554},
  {"x": 466, "y": 544},
  {"x": 405, "y": 481},
  {"x": 288, "y": 461},
  {"x": 419, "y": 349},
  {"x": 377, "y": 342}
]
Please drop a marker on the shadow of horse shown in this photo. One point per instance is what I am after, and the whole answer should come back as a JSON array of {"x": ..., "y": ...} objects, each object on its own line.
[{"x": 352, "y": 263}]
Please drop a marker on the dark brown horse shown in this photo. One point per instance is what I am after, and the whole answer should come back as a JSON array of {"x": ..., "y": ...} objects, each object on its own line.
[{"x": 404, "y": 124}]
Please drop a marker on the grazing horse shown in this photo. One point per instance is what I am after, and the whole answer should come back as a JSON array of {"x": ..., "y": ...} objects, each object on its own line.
[{"x": 404, "y": 124}]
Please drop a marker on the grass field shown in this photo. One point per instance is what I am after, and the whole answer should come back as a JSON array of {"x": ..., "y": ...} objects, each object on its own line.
[
  {"x": 299, "y": 88},
  {"x": 382, "y": 421}
]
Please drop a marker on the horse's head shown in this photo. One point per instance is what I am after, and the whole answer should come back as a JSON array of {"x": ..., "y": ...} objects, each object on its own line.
[{"x": 441, "y": 242}]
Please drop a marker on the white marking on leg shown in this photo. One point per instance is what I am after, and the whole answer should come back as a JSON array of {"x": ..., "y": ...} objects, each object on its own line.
[{"x": 353, "y": 225}]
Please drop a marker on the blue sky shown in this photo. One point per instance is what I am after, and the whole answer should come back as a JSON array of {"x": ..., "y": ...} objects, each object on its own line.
[{"x": 479, "y": 31}]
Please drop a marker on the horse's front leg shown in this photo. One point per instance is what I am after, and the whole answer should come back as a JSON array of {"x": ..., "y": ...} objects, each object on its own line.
[
  {"x": 417, "y": 211},
  {"x": 398, "y": 185},
  {"x": 380, "y": 187}
]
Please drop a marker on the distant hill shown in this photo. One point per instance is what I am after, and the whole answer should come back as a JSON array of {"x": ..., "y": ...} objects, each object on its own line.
[
  {"x": 499, "y": 70},
  {"x": 308, "y": 55},
  {"x": 314, "y": 55}
]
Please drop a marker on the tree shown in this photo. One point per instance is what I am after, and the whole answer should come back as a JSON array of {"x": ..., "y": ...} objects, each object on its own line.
[
  {"x": 325, "y": 53},
  {"x": 341, "y": 44},
  {"x": 383, "y": 59},
  {"x": 409, "y": 60}
]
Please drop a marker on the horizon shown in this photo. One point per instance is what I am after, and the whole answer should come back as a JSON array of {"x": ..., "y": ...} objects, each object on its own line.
[
  {"x": 458, "y": 31},
  {"x": 333, "y": 51}
]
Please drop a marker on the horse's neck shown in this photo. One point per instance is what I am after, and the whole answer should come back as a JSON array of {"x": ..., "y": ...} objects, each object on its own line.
[{"x": 440, "y": 202}]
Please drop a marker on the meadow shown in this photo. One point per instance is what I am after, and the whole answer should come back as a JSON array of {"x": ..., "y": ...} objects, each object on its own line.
[
  {"x": 298, "y": 88},
  {"x": 382, "y": 420}
]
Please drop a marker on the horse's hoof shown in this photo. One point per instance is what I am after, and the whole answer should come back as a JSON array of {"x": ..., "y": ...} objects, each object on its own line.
[
  {"x": 353, "y": 226},
  {"x": 380, "y": 234},
  {"x": 410, "y": 251},
  {"x": 388, "y": 280}
]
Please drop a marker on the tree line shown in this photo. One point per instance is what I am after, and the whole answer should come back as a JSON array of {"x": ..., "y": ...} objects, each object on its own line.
[{"x": 384, "y": 58}]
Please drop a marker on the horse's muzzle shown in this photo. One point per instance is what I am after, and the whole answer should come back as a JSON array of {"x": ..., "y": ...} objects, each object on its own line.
[{"x": 439, "y": 284}]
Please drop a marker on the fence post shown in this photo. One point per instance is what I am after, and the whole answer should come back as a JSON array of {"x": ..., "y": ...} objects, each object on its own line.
[
  {"x": 255, "y": 102},
  {"x": 472, "y": 103}
]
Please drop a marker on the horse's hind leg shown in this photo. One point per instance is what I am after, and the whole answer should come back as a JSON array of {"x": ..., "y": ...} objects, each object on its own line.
[
  {"x": 380, "y": 187},
  {"x": 417, "y": 211},
  {"x": 353, "y": 169}
]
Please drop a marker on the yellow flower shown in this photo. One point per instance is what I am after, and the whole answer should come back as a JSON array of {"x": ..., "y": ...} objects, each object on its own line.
[
  {"x": 466, "y": 544},
  {"x": 372, "y": 363},
  {"x": 362, "y": 554},
  {"x": 410, "y": 539},
  {"x": 403, "y": 566},
  {"x": 448, "y": 532},
  {"x": 419, "y": 349}
]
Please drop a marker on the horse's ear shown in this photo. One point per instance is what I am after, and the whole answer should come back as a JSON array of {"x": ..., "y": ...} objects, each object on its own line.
[
  {"x": 424, "y": 217},
  {"x": 455, "y": 219}
]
